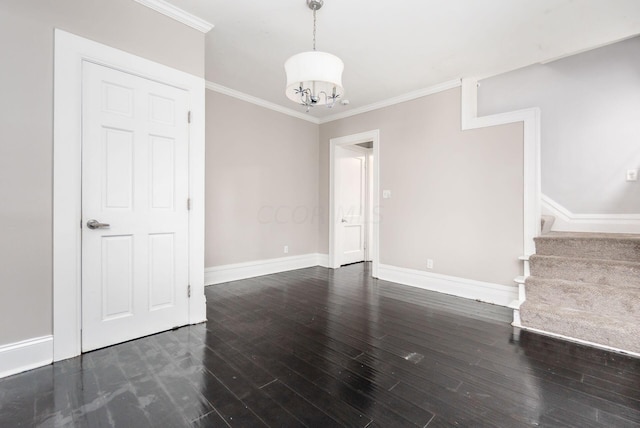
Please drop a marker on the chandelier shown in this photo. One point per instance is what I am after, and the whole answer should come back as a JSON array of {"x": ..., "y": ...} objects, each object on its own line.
[{"x": 314, "y": 78}]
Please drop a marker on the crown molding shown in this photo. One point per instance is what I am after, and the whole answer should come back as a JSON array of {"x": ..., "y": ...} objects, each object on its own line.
[
  {"x": 318, "y": 121},
  {"x": 395, "y": 100},
  {"x": 260, "y": 102},
  {"x": 178, "y": 14},
  {"x": 579, "y": 51}
]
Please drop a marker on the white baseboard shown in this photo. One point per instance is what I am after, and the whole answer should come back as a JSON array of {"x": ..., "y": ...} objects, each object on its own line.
[
  {"x": 604, "y": 223},
  {"x": 323, "y": 260},
  {"x": 25, "y": 355},
  {"x": 238, "y": 271},
  {"x": 470, "y": 289}
]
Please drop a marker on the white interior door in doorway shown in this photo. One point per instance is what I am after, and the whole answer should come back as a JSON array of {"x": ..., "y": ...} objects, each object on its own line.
[
  {"x": 135, "y": 219},
  {"x": 368, "y": 138},
  {"x": 351, "y": 188}
]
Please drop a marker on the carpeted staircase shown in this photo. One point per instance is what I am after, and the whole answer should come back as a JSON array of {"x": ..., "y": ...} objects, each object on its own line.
[{"x": 586, "y": 286}]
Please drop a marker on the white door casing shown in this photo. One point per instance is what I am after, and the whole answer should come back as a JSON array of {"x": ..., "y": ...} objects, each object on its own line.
[
  {"x": 71, "y": 54},
  {"x": 351, "y": 210},
  {"x": 135, "y": 177},
  {"x": 374, "y": 247},
  {"x": 368, "y": 254}
]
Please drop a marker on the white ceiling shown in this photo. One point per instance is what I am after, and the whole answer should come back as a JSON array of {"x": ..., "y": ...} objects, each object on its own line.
[{"x": 391, "y": 48}]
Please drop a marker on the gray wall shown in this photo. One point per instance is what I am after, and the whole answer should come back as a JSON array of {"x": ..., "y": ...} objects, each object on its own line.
[
  {"x": 590, "y": 106},
  {"x": 456, "y": 196},
  {"x": 26, "y": 131},
  {"x": 261, "y": 183}
]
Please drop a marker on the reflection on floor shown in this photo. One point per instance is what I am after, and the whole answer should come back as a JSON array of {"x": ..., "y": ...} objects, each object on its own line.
[{"x": 321, "y": 348}]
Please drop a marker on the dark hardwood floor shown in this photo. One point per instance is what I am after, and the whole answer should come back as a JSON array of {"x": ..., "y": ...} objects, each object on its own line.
[{"x": 323, "y": 348}]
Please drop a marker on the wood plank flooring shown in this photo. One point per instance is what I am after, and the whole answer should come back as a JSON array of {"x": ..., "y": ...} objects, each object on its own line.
[{"x": 323, "y": 348}]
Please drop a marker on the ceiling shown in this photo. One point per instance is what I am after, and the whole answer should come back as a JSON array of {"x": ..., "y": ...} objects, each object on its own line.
[{"x": 394, "y": 48}]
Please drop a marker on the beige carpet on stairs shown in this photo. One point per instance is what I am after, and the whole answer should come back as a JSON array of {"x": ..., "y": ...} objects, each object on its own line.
[{"x": 586, "y": 286}]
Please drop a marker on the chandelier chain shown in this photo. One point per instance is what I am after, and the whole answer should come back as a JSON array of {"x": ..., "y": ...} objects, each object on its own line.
[{"x": 314, "y": 28}]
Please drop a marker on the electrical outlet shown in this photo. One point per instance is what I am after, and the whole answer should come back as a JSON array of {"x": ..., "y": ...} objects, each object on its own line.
[
  {"x": 286, "y": 249},
  {"x": 429, "y": 264},
  {"x": 632, "y": 175}
]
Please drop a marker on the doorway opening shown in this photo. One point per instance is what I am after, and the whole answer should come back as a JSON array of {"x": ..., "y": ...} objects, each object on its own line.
[{"x": 354, "y": 200}]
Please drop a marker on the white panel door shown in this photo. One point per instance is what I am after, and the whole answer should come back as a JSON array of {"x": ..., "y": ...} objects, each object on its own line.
[
  {"x": 351, "y": 205},
  {"x": 135, "y": 179}
]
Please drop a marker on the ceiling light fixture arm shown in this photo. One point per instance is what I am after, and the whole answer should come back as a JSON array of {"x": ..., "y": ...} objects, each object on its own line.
[{"x": 309, "y": 99}]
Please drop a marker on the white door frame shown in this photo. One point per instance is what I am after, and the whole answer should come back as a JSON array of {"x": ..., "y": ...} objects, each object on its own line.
[
  {"x": 369, "y": 205},
  {"x": 70, "y": 53},
  {"x": 349, "y": 140}
]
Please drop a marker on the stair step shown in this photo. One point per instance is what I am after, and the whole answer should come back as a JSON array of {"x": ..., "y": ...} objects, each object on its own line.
[
  {"x": 619, "y": 301},
  {"x": 608, "y": 246},
  {"x": 595, "y": 271},
  {"x": 615, "y": 332}
]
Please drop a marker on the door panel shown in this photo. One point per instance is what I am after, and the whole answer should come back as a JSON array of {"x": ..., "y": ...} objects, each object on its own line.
[
  {"x": 352, "y": 238},
  {"x": 135, "y": 179},
  {"x": 162, "y": 172},
  {"x": 117, "y": 276},
  {"x": 117, "y": 99},
  {"x": 118, "y": 165},
  {"x": 161, "y": 276}
]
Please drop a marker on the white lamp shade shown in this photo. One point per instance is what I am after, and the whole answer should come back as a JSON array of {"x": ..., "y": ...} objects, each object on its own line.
[{"x": 318, "y": 71}]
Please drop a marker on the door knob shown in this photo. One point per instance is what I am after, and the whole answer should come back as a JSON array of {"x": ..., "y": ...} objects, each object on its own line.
[
  {"x": 343, "y": 221},
  {"x": 95, "y": 224}
]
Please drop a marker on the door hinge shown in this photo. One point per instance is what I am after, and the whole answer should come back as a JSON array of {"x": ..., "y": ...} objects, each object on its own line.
[
  {"x": 188, "y": 204},
  {"x": 189, "y": 290},
  {"x": 189, "y": 117}
]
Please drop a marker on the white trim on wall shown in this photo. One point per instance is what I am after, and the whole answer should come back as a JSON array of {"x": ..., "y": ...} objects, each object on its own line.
[
  {"x": 25, "y": 355},
  {"x": 178, "y": 14},
  {"x": 323, "y": 260},
  {"x": 496, "y": 294},
  {"x": 395, "y": 100},
  {"x": 318, "y": 121},
  {"x": 567, "y": 221},
  {"x": 531, "y": 162},
  {"x": 348, "y": 140},
  {"x": 70, "y": 53},
  {"x": 238, "y": 271},
  {"x": 260, "y": 102}
]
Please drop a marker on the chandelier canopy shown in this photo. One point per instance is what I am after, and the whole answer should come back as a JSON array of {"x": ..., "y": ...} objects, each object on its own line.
[{"x": 313, "y": 77}]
